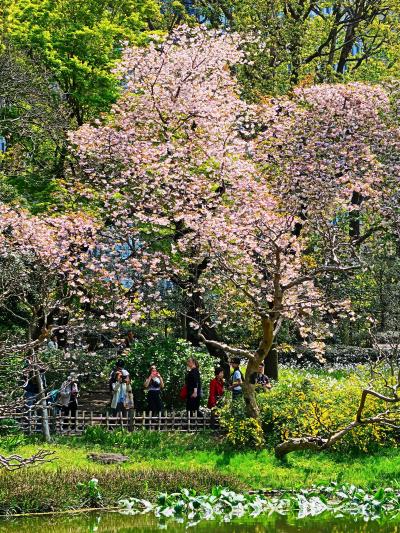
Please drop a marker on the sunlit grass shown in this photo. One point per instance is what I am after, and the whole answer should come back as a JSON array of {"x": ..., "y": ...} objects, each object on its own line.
[{"x": 256, "y": 469}]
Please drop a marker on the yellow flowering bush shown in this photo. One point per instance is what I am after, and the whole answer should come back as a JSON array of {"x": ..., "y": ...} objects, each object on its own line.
[
  {"x": 319, "y": 404},
  {"x": 240, "y": 432},
  {"x": 305, "y": 403},
  {"x": 245, "y": 433}
]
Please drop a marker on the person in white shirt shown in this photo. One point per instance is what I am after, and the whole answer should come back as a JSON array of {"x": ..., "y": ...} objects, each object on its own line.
[{"x": 118, "y": 369}]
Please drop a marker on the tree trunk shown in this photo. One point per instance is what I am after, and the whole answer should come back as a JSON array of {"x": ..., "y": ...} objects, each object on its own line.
[
  {"x": 249, "y": 395},
  {"x": 196, "y": 311},
  {"x": 43, "y": 407},
  {"x": 349, "y": 41},
  {"x": 264, "y": 348},
  {"x": 295, "y": 49},
  {"x": 45, "y": 422},
  {"x": 354, "y": 216},
  {"x": 271, "y": 364}
]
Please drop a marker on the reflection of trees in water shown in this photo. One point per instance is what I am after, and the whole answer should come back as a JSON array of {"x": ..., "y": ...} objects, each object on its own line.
[{"x": 120, "y": 523}]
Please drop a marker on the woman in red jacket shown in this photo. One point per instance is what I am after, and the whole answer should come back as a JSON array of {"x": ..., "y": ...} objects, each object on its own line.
[{"x": 216, "y": 388}]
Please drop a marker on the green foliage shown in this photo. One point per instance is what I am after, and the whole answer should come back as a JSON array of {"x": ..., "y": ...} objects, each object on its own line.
[
  {"x": 308, "y": 403},
  {"x": 148, "y": 444},
  {"x": 169, "y": 461},
  {"x": 303, "y": 403},
  {"x": 38, "y": 490},
  {"x": 56, "y": 63},
  {"x": 80, "y": 42},
  {"x": 8, "y": 426},
  {"x": 170, "y": 356},
  {"x": 34, "y": 123},
  {"x": 226, "y": 505},
  {"x": 304, "y": 42},
  {"x": 91, "y": 493},
  {"x": 241, "y": 432}
]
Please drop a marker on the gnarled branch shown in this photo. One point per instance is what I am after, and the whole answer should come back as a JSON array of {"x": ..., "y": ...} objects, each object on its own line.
[{"x": 16, "y": 462}]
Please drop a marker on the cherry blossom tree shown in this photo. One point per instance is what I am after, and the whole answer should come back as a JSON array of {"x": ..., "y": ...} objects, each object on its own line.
[
  {"x": 249, "y": 210},
  {"x": 53, "y": 277},
  {"x": 287, "y": 231},
  {"x": 53, "y": 270},
  {"x": 161, "y": 159}
]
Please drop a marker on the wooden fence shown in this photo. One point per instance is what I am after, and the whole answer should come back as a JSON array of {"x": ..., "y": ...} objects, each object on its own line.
[{"x": 30, "y": 422}]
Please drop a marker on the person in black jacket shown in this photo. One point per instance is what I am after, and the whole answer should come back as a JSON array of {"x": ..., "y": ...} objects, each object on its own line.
[{"x": 193, "y": 384}]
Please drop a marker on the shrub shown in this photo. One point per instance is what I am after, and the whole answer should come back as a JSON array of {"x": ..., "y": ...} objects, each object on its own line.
[
  {"x": 240, "y": 432},
  {"x": 303, "y": 403},
  {"x": 307, "y": 403},
  {"x": 170, "y": 356}
]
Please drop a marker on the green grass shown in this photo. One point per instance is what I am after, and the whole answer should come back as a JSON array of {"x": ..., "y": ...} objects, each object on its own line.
[{"x": 160, "y": 461}]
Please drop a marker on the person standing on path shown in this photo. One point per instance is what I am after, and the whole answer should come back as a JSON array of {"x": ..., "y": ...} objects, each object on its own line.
[
  {"x": 193, "y": 384},
  {"x": 216, "y": 388},
  {"x": 236, "y": 380},
  {"x": 122, "y": 396},
  {"x": 118, "y": 369},
  {"x": 154, "y": 384},
  {"x": 69, "y": 396}
]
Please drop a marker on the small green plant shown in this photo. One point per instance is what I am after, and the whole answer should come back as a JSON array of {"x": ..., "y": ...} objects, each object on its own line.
[
  {"x": 91, "y": 493},
  {"x": 11, "y": 442},
  {"x": 8, "y": 426}
]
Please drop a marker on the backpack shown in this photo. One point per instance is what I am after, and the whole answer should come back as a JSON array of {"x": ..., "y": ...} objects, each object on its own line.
[{"x": 53, "y": 396}]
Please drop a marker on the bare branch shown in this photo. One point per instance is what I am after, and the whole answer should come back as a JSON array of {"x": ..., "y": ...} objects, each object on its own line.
[{"x": 16, "y": 462}]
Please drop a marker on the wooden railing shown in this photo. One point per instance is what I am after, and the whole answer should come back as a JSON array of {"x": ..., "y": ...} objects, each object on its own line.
[{"x": 30, "y": 422}]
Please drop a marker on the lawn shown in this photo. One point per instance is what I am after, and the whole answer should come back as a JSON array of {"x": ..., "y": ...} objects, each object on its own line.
[{"x": 204, "y": 453}]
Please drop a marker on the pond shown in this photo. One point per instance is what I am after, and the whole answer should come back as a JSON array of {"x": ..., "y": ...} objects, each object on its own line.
[{"x": 111, "y": 522}]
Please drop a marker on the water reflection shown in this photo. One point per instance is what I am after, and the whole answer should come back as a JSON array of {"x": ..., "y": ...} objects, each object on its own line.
[{"x": 118, "y": 523}]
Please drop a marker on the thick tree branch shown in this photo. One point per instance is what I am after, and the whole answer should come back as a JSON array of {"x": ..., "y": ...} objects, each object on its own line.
[{"x": 229, "y": 349}]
